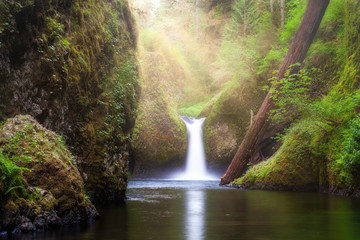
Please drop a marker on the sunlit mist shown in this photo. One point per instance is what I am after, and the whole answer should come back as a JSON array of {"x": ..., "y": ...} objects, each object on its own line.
[{"x": 146, "y": 8}]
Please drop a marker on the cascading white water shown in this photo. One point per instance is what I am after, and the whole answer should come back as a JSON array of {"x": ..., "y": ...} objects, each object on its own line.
[{"x": 195, "y": 157}]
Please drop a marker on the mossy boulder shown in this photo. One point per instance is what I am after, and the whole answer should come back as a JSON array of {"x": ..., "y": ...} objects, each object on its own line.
[
  {"x": 228, "y": 118},
  {"x": 315, "y": 155},
  {"x": 71, "y": 65},
  {"x": 51, "y": 190},
  {"x": 293, "y": 168}
]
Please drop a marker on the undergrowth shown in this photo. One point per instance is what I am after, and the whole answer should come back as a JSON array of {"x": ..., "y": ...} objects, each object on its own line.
[{"x": 11, "y": 180}]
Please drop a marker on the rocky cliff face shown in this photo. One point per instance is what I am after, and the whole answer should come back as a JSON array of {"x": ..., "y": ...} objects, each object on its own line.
[
  {"x": 177, "y": 75},
  {"x": 227, "y": 121},
  {"x": 71, "y": 65},
  {"x": 159, "y": 138}
]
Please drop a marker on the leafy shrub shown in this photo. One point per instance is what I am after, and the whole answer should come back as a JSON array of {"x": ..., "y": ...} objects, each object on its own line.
[
  {"x": 123, "y": 102},
  {"x": 348, "y": 162},
  {"x": 292, "y": 94},
  {"x": 245, "y": 16},
  {"x": 10, "y": 178},
  {"x": 296, "y": 9}
]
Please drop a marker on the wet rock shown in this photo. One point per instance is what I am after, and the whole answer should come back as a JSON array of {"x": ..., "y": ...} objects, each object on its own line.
[
  {"x": 159, "y": 139},
  {"x": 227, "y": 122},
  {"x": 26, "y": 225},
  {"x": 51, "y": 178},
  {"x": 40, "y": 221},
  {"x": 35, "y": 79},
  {"x": 52, "y": 220}
]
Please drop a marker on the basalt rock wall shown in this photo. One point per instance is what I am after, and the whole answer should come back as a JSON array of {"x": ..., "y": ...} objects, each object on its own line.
[{"x": 71, "y": 65}]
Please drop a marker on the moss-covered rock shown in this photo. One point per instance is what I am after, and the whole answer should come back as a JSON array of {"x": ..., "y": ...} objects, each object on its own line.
[
  {"x": 227, "y": 121},
  {"x": 159, "y": 138},
  {"x": 294, "y": 167},
  {"x": 313, "y": 158},
  {"x": 51, "y": 189},
  {"x": 178, "y": 73},
  {"x": 71, "y": 64}
]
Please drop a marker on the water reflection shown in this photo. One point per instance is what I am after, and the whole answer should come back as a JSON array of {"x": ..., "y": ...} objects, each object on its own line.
[
  {"x": 195, "y": 214},
  {"x": 186, "y": 210}
]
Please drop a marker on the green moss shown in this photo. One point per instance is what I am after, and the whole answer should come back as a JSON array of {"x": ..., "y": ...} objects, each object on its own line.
[
  {"x": 227, "y": 120},
  {"x": 194, "y": 110},
  {"x": 159, "y": 137},
  {"x": 84, "y": 64},
  {"x": 294, "y": 165},
  {"x": 35, "y": 160},
  {"x": 349, "y": 79},
  {"x": 319, "y": 150},
  {"x": 345, "y": 153},
  {"x": 294, "y": 16}
]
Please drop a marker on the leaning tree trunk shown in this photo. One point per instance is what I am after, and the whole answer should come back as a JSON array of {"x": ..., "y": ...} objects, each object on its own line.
[{"x": 299, "y": 46}]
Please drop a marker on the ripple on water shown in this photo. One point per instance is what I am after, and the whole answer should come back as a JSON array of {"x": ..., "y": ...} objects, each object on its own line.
[{"x": 173, "y": 184}]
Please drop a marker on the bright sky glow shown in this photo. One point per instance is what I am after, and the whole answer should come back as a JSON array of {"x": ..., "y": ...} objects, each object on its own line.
[
  {"x": 157, "y": 3},
  {"x": 149, "y": 7}
]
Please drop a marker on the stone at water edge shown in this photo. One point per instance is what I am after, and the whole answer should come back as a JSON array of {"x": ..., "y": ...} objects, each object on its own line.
[{"x": 54, "y": 180}]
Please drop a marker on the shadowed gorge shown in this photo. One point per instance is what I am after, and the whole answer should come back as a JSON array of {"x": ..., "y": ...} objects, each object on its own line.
[
  {"x": 167, "y": 119},
  {"x": 71, "y": 65},
  {"x": 185, "y": 71}
]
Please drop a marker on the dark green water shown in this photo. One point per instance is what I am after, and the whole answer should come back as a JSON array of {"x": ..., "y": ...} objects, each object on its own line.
[{"x": 203, "y": 210}]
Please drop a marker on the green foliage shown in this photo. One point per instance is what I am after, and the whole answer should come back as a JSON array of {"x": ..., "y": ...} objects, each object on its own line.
[
  {"x": 327, "y": 132},
  {"x": 296, "y": 9},
  {"x": 350, "y": 76},
  {"x": 56, "y": 29},
  {"x": 194, "y": 110},
  {"x": 292, "y": 167},
  {"x": 123, "y": 103},
  {"x": 82, "y": 49},
  {"x": 244, "y": 19},
  {"x": 321, "y": 51},
  {"x": 16, "y": 142},
  {"x": 11, "y": 178},
  {"x": 235, "y": 60},
  {"x": 324, "y": 117},
  {"x": 271, "y": 59},
  {"x": 328, "y": 127},
  {"x": 334, "y": 17},
  {"x": 348, "y": 158},
  {"x": 328, "y": 51},
  {"x": 292, "y": 94},
  {"x": 221, "y": 8},
  {"x": 332, "y": 124}
]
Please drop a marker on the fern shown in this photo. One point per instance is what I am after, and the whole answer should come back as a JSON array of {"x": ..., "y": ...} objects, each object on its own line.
[{"x": 11, "y": 177}]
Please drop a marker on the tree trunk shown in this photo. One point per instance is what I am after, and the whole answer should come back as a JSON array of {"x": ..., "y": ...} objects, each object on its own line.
[
  {"x": 282, "y": 14},
  {"x": 271, "y": 6},
  {"x": 299, "y": 46}
]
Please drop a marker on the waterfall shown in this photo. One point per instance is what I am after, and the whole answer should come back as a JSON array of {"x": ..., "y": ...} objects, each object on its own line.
[{"x": 195, "y": 156}]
